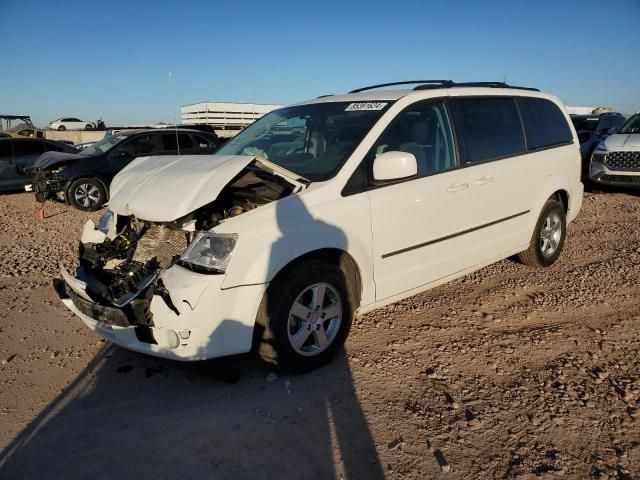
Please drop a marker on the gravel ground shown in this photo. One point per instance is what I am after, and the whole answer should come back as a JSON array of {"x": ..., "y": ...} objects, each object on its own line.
[{"x": 506, "y": 373}]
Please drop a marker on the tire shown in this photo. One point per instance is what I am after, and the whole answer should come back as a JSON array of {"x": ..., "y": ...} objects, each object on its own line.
[
  {"x": 86, "y": 194},
  {"x": 62, "y": 128},
  {"x": 548, "y": 236},
  {"x": 88, "y": 126},
  {"x": 278, "y": 328}
]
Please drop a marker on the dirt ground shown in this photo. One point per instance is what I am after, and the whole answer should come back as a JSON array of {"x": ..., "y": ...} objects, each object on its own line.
[{"x": 506, "y": 373}]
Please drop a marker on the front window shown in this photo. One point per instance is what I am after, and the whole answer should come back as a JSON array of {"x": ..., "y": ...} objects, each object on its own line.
[
  {"x": 103, "y": 145},
  {"x": 632, "y": 125},
  {"x": 312, "y": 141}
]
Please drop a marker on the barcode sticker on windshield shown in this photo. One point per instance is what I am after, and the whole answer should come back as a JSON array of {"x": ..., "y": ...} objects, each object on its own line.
[{"x": 355, "y": 107}]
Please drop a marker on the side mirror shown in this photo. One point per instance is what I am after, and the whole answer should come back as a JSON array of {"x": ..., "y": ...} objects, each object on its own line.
[{"x": 394, "y": 166}]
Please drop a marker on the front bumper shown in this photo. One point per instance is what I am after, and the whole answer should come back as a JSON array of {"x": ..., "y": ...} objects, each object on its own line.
[
  {"x": 600, "y": 173},
  {"x": 212, "y": 322}
]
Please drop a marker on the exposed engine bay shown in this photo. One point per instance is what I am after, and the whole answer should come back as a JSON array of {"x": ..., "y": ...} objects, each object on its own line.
[{"x": 122, "y": 269}]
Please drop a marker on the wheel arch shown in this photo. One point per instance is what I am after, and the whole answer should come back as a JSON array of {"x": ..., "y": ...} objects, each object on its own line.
[{"x": 334, "y": 256}]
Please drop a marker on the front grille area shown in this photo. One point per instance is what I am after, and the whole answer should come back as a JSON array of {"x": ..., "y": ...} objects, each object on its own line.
[
  {"x": 623, "y": 160},
  {"x": 633, "y": 180}
]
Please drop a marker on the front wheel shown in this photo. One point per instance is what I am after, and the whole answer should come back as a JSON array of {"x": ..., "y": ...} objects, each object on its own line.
[
  {"x": 305, "y": 317},
  {"x": 86, "y": 194},
  {"x": 548, "y": 237},
  {"x": 88, "y": 126},
  {"x": 62, "y": 128}
]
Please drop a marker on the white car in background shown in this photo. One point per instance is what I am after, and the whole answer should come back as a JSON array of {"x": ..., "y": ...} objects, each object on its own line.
[
  {"x": 71, "y": 123},
  {"x": 321, "y": 211}
]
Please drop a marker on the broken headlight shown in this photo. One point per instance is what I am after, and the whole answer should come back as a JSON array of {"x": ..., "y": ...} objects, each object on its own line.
[{"x": 210, "y": 251}]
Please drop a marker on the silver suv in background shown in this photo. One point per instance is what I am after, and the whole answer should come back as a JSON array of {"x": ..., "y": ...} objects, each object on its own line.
[{"x": 616, "y": 160}]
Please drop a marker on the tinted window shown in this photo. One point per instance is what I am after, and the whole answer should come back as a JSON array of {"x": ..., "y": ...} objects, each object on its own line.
[
  {"x": 5, "y": 150},
  {"x": 27, "y": 147},
  {"x": 169, "y": 141},
  {"x": 490, "y": 128},
  {"x": 201, "y": 142},
  {"x": 610, "y": 122},
  {"x": 139, "y": 145},
  {"x": 424, "y": 131},
  {"x": 544, "y": 123}
]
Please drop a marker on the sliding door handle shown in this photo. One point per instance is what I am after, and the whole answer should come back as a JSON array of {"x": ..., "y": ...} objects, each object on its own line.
[
  {"x": 484, "y": 180},
  {"x": 456, "y": 187}
]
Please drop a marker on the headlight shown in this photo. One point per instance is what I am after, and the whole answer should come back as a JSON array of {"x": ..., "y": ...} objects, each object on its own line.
[
  {"x": 106, "y": 222},
  {"x": 210, "y": 251}
]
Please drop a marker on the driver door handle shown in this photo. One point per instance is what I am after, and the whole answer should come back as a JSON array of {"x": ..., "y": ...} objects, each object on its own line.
[
  {"x": 456, "y": 187},
  {"x": 484, "y": 180}
]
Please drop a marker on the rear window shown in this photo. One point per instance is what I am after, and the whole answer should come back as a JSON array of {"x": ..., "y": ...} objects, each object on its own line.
[
  {"x": 490, "y": 128},
  {"x": 544, "y": 123}
]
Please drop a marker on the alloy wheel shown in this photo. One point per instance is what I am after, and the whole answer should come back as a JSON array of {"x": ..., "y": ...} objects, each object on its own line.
[
  {"x": 87, "y": 195},
  {"x": 314, "y": 319},
  {"x": 550, "y": 234}
]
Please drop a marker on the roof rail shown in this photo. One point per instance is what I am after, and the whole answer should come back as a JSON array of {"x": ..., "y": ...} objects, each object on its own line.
[
  {"x": 429, "y": 84},
  {"x": 493, "y": 85},
  {"x": 434, "y": 83}
]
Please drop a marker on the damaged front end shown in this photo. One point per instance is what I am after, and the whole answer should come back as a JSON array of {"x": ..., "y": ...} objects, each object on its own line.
[
  {"x": 48, "y": 184},
  {"x": 125, "y": 262}
]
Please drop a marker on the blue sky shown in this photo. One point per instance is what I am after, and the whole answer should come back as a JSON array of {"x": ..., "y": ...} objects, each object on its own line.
[{"x": 112, "y": 59}]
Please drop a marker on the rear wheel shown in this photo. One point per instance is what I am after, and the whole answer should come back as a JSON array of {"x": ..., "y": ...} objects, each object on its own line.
[
  {"x": 548, "y": 237},
  {"x": 87, "y": 194},
  {"x": 305, "y": 317}
]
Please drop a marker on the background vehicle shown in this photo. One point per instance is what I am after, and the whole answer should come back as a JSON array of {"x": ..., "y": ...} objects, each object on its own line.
[
  {"x": 616, "y": 160},
  {"x": 23, "y": 127},
  {"x": 17, "y": 154},
  {"x": 83, "y": 179},
  {"x": 71, "y": 123},
  {"x": 322, "y": 209},
  {"x": 591, "y": 130}
]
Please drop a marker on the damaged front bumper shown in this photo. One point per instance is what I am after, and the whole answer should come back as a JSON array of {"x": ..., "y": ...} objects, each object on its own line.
[
  {"x": 49, "y": 185},
  {"x": 207, "y": 322}
]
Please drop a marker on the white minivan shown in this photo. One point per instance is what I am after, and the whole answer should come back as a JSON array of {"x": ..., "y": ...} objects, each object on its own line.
[{"x": 321, "y": 211}]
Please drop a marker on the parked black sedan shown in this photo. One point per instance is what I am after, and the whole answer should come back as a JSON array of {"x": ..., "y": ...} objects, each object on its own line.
[
  {"x": 17, "y": 154},
  {"x": 83, "y": 179}
]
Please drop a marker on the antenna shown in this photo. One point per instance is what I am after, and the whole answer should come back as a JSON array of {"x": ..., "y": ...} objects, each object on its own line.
[{"x": 173, "y": 105}]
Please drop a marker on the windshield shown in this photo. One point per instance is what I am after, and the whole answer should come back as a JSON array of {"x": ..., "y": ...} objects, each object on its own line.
[
  {"x": 312, "y": 141},
  {"x": 632, "y": 125},
  {"x": 102, "y": 146}
]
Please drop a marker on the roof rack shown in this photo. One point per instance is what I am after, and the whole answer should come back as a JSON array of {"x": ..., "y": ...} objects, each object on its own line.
[
  {"x": 429, "y": 84},
  {"x": 433, "y": 83}
]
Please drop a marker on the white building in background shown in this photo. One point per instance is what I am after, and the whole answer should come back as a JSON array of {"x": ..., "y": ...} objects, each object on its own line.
[{"x": 225, "y": 117}]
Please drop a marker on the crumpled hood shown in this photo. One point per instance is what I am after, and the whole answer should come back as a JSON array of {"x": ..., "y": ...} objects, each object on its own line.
[
  {"x": 167, "y": 187},
  {"x": 623, "y": 140},
  {"x": 50, "y": 159}
]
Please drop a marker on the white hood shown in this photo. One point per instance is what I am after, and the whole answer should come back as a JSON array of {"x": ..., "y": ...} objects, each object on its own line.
[
  {"x": 625, "y": 141},
  {"x": 165, "y": 188}
]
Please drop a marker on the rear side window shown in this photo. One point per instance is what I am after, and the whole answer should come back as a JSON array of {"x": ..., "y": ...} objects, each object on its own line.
[
  {"x": 170, "y": 142},
  {"x": 27, "y": 147},
  {"x": 490, "y": 128},
  {"x": 544, "y": 123}
]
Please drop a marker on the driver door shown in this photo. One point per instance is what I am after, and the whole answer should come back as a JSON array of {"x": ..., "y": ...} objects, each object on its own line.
[{"x": 417, "y": 224}]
